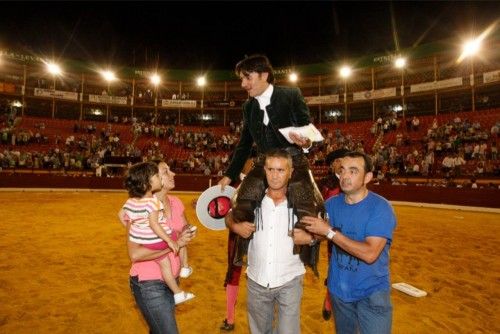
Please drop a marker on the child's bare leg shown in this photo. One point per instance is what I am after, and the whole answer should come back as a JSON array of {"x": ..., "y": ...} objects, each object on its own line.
[
  {"x": 184, "y": 257},
  {"x": 169, "y": 278},
  {"x": 179, "y": 295},
  {"x": 186, "y": 270}
]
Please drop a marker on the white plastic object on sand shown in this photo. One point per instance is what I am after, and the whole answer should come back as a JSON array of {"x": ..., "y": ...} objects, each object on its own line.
[{"x": 409, "y": 289}]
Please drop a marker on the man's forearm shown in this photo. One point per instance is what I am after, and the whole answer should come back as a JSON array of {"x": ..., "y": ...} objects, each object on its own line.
[
  {"x": 368, "y": 250},
  {"x": 229, "y": 220}
]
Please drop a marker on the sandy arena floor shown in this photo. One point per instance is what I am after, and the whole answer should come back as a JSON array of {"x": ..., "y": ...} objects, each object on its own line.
[{"x": 65, "y": 270}]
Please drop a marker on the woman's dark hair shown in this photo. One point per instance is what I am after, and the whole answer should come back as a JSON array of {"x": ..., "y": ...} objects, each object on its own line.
[
  {"x": 366, "y": 159},
  {"x": 137, "y": 178},
  {"x": 255, "y": 63}
]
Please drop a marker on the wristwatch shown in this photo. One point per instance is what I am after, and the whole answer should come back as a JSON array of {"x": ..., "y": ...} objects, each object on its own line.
[{"x": 331, "y": 233}]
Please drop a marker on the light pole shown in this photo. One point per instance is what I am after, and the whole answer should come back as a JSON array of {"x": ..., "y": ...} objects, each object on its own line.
[
  {"x": 54, "y": 70},
  {"x": 400, "y": 63},
  {"x": 109, "y": 77},
  {"x": 201, "y": 82},
  {"x": 345, "y": 72},
  {"x": 469, "y": 50},
  {"x": 155, "y": 80}
]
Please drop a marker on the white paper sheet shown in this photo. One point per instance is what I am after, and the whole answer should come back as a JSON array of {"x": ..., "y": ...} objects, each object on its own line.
[{"x": 307, "y": 131}]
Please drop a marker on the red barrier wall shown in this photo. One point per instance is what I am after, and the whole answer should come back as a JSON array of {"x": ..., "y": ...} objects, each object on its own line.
[
  {"x": 28, "y": 180},
  {"x": 409, "y": 193},
  {"x": 438, "y": 195}
]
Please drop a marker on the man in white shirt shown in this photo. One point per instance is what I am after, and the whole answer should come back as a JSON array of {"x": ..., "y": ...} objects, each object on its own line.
[
  {"x": 270, "y": 108},
  {"x": 275, "y": 274}
]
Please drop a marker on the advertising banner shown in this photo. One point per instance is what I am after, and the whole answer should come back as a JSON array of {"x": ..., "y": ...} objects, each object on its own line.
[
  {"x": 221, "y": 104},
  {"x": 58, "y": 94},
  {"x": 374, "y": 94},
  {"x": 491, "y": 76},
  {"x": 425, "y": 86},
  {"x": 108, "y": 99},
  {"x": 324, "y": 99},
  {"x": 178, "y": 103}
]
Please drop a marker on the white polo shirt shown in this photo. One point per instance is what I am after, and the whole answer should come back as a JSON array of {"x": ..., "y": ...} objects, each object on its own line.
[{"x": 271, "y": 262}]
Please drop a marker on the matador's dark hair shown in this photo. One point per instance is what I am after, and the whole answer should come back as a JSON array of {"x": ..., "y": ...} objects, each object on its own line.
[
  {"x": 137, "y": 178},
  {"x": 255, "y": 63}
]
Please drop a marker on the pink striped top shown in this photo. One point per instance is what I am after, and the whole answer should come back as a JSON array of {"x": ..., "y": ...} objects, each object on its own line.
[{"x": 138, "y": 211}]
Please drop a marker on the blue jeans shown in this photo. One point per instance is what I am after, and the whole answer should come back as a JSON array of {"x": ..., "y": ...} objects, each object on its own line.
[
  {"x": 156, "y": 302},
  {"x": 261, "y": 302},
  {"x": 372, "y": 315}
]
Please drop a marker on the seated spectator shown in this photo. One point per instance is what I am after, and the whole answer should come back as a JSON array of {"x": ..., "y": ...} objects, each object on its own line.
[
  {"x": 434, "y": 124},
  {"x": 415, "y": 123},
  {"x": 448, "y": 164},
  {"x": 494, "y": 130},
  {"x": 480, "y": 168},
  {"x": 473, "y": 183}
]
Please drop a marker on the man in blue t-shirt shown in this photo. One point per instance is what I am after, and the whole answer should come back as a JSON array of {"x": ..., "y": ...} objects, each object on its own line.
[{"x": 361, "y": 227}]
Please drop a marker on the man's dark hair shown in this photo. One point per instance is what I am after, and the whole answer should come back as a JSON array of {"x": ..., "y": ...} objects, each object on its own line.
[
  {"x": 255, "y": 63},
  {"x": 366, "y": 158},
  {"x": 137, "y": 178},
  {"x": 337, "y": 154}
]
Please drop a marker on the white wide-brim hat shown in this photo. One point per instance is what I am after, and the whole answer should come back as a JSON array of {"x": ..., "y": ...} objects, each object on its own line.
[{"x": 213, "y": 205}]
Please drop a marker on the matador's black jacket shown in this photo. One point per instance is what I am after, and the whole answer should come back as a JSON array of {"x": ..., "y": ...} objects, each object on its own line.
[{"x": 287, "y": 108}]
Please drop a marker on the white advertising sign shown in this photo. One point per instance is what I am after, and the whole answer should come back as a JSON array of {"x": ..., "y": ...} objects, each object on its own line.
[
  {"x": 324, "y": 99},
  {"x": 107, "y": 99},
  {"x": 374, "y": 94},
  {"x": 178, "y": 103},
  {"x": 58, "y": 94},
  {"x": 491, "y": 76},
  {"x": 425, "y": 86}
]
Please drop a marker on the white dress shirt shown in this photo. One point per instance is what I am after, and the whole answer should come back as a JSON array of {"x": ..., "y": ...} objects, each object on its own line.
[
  {"x": 264, "y": 100},
  {"x": 271, "y": 262}
]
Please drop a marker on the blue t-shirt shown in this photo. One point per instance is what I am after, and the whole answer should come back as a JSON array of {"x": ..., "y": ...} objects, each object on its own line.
[{"x": 350, "y": 278}]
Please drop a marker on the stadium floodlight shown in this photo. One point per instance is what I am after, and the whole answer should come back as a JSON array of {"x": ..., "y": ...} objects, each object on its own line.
[
  {"x": 155, "y": 79},
  {"x": 471, "y": 47},
  {"x": 53, "y": 68},
  {"x": 293, "y": 77},
  {"x": 108, "y": 75},
  {"x": 400, "y": 62},
  {"x": 345, "y": 72},
  {"x": 201, "y": 81}
]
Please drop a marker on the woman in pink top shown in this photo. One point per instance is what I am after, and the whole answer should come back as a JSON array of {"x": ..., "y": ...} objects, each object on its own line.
[{"x": 153, "y": 297}]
